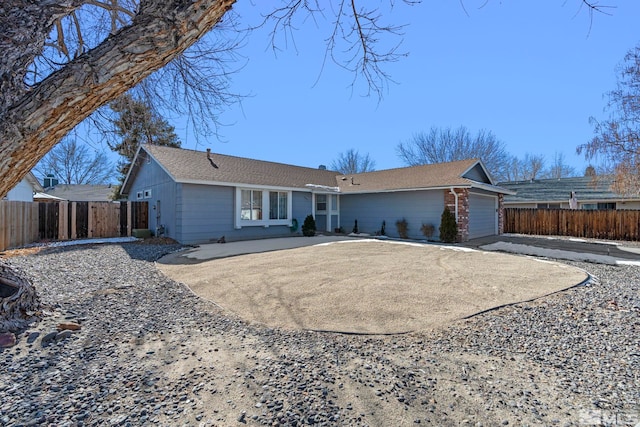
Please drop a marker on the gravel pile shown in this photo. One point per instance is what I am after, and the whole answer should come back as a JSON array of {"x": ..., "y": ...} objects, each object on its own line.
[{"x": 148, "y": 352}]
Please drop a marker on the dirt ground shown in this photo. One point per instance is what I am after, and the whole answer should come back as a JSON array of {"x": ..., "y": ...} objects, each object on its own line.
[{"x": 376, "y": 287}]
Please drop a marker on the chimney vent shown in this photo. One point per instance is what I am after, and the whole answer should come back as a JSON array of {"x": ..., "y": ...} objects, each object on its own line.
[
  {"x": 50, "y": 181},
  {"x": 208, "y": 153}
]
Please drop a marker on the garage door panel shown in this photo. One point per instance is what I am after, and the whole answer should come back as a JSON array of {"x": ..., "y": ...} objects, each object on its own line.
[{"x": 482, "y": 215}]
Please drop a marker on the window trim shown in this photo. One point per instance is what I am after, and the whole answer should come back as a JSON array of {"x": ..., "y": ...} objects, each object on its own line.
[
  {"x": 264, "y": 221},
  {"x": 326, "y": 202}
]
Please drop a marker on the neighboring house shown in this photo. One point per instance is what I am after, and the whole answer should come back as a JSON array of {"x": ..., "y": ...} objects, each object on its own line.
[
  {"x": 197, "y": 197},
  {"x": 77, "y": 193},
  {"x": 588, "y": 193},
  {"x": 24, "y": 191}
]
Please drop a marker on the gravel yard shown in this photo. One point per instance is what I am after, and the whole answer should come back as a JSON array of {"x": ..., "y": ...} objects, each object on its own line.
[{"x": 151, "y": 353}]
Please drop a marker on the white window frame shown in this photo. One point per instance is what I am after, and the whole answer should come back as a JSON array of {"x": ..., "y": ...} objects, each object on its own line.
[
  {"x": 139, "y": 195},
  {"x": 147, "y": 193},
  {"x": 335, "y": 201},
  {"x": 326, "y": 202},
  {"x": 264, "y": 221}
]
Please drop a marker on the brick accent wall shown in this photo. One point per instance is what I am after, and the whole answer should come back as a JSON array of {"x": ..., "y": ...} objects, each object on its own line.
[
  {"x": 500, "y": 213},
  {"x": 463, "y": 210}
]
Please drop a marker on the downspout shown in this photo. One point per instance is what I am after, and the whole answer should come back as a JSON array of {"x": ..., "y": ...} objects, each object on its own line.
[{"x": 455, "y": 195}]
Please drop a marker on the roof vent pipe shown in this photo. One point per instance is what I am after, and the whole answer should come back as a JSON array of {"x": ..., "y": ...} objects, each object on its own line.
[{"x": 208, "y": 153}]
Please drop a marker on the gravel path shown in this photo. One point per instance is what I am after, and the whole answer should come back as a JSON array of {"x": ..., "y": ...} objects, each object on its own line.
[{"x": 151, "y": 353}]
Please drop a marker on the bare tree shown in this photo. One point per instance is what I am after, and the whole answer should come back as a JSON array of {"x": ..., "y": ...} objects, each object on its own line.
[
  {"x": 617, "y": 138},
  {"x": 532, "y": 166},
  {"x": 35, "y": 114},
  {"x": 445, "y": 145},
  {"x": 528, "y": 168},
  {"x": 559, "y": 168},
  {"x": 351, "y": 161},
  {"x": 63, "y": 60},
  {"x": 513, "y": 171},
  {"x": 73, "y": 163}
]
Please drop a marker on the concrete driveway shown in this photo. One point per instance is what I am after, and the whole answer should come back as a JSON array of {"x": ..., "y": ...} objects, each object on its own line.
[
  {"x": 601, "y": 252},
  {"x": 368, "y": 286}
]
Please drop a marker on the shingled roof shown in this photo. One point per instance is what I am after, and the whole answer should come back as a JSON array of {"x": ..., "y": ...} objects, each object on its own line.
[
  {"x": 440, "y": 175},
  {"x": 197, "y": 167},
  {"x": 81, "y": 192},
  {"x": 597, "y": 189}
]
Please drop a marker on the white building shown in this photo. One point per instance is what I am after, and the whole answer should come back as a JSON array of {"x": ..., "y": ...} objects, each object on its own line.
[{"x": 24, "y": 191}]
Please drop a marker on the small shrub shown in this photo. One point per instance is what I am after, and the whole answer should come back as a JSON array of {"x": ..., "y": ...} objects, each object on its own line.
[
  {"x": 355, "y": 228},
  {"x": 383, "y": 230},
  {"x": 309, "y": 226},
  {"x": 448, "y": 227},
  {"x": 427, "y": 230},
  {"x": 403, "y": 228}
]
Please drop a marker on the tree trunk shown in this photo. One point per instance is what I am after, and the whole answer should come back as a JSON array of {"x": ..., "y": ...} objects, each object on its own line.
[
  {"x": 39, "y": 118},
  {"x": 19, "y": 303}
]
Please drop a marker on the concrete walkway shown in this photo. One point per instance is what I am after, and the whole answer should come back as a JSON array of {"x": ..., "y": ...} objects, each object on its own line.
[
  {"x": 224, "y": 250},
  {"x": 603, "y": 252}
]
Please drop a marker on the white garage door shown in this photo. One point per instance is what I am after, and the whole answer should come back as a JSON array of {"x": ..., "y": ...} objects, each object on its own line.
[{"x": 483, "y": 217}]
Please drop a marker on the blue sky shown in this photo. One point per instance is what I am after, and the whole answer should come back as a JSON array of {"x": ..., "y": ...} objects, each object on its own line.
[{"x": 530, "y": 72}]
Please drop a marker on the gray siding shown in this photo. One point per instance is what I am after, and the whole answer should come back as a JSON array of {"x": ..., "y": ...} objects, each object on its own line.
[
  {"x": 301, "y": 206},
  {"x": 417, "y": 207},
  {"x": 335, "y": 223},
  {"x": 477, "y": 174},
  {"x": 321, "y": 223},
  {"x": 152, "y": 177},
  {"x": 206, "y": 213}
]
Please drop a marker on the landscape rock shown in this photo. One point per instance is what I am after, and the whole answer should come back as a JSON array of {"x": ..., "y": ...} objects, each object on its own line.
[
  {"x": 7, "y": 339},
  {"x": 71, "y": 326},
  {"x": 152, "y": 353}
]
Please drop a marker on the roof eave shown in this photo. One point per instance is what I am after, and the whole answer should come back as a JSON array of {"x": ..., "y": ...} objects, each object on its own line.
[
  {"x": 124, "y": 189},
  {"x": 493, "y": 188},
  {"x": 484, "y": 168},
  {"x": 395, "y": 190},
  {"x": 244, "y": 185}
]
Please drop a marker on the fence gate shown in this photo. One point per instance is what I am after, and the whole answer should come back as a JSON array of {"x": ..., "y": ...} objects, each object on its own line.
[
  {"x": 22, "y": 223},
  {"x": 82, "y": 220},
  {"x": 139, "y": 215},
  {"x": 104, "y": 220},
  {"x": 48, "y": 221}
]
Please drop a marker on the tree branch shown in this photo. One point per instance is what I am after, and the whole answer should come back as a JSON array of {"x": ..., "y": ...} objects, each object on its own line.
[{"x": 158, "y": 34}]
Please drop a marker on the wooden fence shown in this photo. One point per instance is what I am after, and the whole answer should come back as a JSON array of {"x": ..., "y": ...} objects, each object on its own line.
[
  {"x": 604, "y": 224},
  {"x": 22, "y": 223}
]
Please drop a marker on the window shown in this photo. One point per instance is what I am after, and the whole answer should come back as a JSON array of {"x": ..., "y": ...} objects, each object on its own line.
[
  {"x": 598, "y": 206},
  {"x": 334, "y": 203},
  {"x": 548, "y": 205},
  {"x": 321, "y": 202},
  {"x": 278, "y": 205},
  {"x": 147, "y": 194},
  {"x": 251, "y": 205},
  {"x": 139, "y": 194},
  {"x": 265, "y": 208}
]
